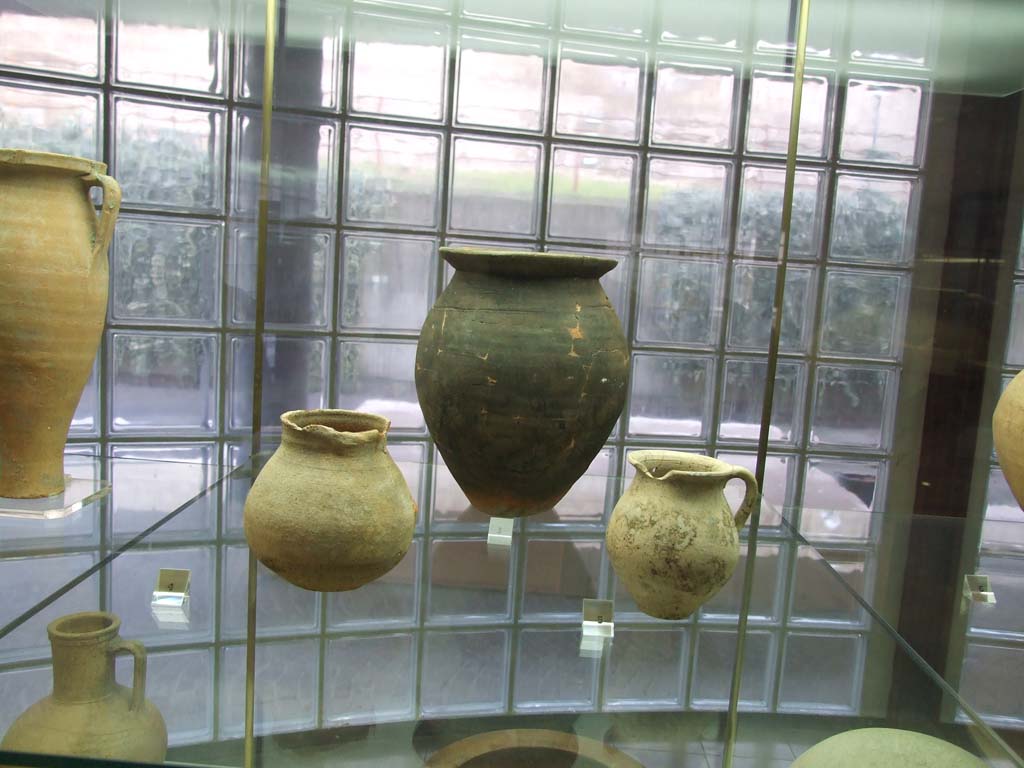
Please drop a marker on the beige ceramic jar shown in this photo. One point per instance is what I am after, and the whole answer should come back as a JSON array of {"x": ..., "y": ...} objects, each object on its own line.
[
  {"x": 330, "y": 511},
  {"x": 89, "y": 714},
  {"x": 886, "y": 748},
  {"x": 672, "y": 538},
  {"x": 1008, "y": 434},
  {"x": 53, "y": 301}
]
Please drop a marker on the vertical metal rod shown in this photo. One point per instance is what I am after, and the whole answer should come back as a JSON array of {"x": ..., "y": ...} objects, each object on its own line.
[
  {"x": 732, "y": 718},
  {"x": 269, "y": 47}
]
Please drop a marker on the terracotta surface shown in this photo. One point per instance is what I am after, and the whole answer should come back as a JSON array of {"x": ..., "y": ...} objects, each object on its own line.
[
  {"x": 1008, "y": 434},
  {"x": 89, "y": 714},
  {"x": 885, "y": 748},
  {"x": 521, "y": 372},
  {"x": 330, "y": 511},
  {"x": 672, "y": 538},
  {"x": 530, "y": 748},
  {"x": 53, "y": 301}
]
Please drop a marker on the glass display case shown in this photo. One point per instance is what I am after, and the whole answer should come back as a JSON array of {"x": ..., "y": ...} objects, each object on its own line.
[{"x": 255, "y": 274}]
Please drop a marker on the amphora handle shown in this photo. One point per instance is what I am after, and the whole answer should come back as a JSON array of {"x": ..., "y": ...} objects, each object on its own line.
[
  {"x": 137, "y": 650},
  {"x": 108, "y": 213},
  {"x": 750, "y": 499}
]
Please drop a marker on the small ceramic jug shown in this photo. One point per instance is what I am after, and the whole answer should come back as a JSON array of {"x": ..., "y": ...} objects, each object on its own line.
[
  {"x": 672, "y": 538},
  {"x": 89, "y": 714}
]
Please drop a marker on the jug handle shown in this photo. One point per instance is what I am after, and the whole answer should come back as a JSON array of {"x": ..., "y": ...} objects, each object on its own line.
[
  {"x": 750, "y": 499},
  {"x": 138, "y": 650},
  {"x": 108, "y": 212}
]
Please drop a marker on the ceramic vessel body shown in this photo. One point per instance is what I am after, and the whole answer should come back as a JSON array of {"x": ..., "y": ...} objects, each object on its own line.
[
  {"x": 1008, "y": 434},
  {"x": 89, "y": 714},
  {"x": 521, "y": 372},
  {"x": 330, "y": 511},
  {"x": 672, "y": 538},
  {"x": 885, "y": 748},
  {"x": 53, "y": 301}
]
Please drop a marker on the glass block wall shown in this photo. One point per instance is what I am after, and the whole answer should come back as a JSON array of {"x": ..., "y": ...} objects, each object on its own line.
[{"x": 652, "y": 132}]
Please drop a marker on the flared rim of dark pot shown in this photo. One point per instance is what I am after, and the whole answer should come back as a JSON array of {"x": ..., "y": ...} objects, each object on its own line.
[
  {"x": 528, "y": 264},
  {"x": 27, "y": 158}
]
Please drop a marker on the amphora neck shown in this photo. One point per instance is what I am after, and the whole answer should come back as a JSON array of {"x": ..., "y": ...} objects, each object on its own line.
[{"x": 83, "y": 667}]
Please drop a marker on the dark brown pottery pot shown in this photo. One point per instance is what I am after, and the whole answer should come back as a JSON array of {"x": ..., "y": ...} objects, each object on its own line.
[{"x": 521, "y": 372}]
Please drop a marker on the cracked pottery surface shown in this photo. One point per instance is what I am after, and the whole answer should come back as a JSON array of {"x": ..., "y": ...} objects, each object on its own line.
[
  {"x": 331, "y": 510},
  {"x": 672, "y": 538},
  {"x": 53, "y": 302},
  {"x": 521, "y": 372},
  {"x": 885, "y": 748},
  {"x": 1008, "y": 434},
  {"x": 88, "y": 714}
]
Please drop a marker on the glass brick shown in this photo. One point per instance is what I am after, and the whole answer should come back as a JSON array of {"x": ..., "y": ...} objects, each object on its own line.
[
  {"x": 743, "y": 399},
  {"x": 307, "y": 63},
  {"x": 852, "y": 405},
  {"x": 645, "y": 670},
  {"x": 166, "y": 271},
  {"x": 586, "y": 502},
  {"x": 303, "y": 172},
  {"x": 680, "y": 301},
  {"x": 599, "y": 92},
  {"x": 169, "y": 156},
  {"x": 86, "y": 421},
  {"x": 183, "y": 47},
  {"x": 771, "y": 98},
  {"x": 905, "y": 39},
  {"x": 502, "y": 81},
  {"x": 451, "y": 509},
  {"x": 299, "y": 279},
  {"x": 398, "y": 67},
  {"x": 369, "y": 679},
  {"x": 775, "y": 34},
  {"x": 392, "y": 177},
  {"x": 294, "y": 377},
  {"x": 152, "y": 480},
  {"x": 281, "y": 608},
  {"x": 819, "y": 673},
  {"x": 686, "y": 204},
  {"x": 164, "y": 383},
  {"x": 386, "y": 282},
  {"x": 670, "y": 395},
  {"x": 840, "y": 498},
  {"x": 437, "y": 6},
  {"x": 550, "y": 675},
  {"x": 608, "y": 17},
  {"x": 180, "y": 685},
  {"x": 62, "y": 120},
  {"x": 864, "y": 314},
  {"x": 133, "y": 576},
  {"x": 411, "y": 459},
  {"x": 286, "y": 697},
  {"x": 766, "y": 592},
  {"x": 494, "y": 186},
  {"x": 1007, "y": 579},
  {"x": 1002, "y": 526},
  {"x": 761, "y": 212},
  {"x": 693, "y": 23},
  {"x": 990, "y": 681},
  {"x": 752, "y": 298},
  {"x": 389, "y": 600},
  {"x": 522, "y": 13},
  {"x": 558, "y": 576},
  {"x": 777, "y": 489},
  {"x": 464, "y": 673},
  {"x": 872, "y": 219},
  {"x": 467, "y": 584},
  {"x": 880, "y": 123},
  {"x": 377, "y": 377},
  {"x": 1015, "y": 343},
  {"x": 591, "y": 195},
  {"x": 712, "y": 670},
  {"x": 694, "y": 106},
  {"x": 70, "y": 42},
  {"x": 824, "y": 584}
]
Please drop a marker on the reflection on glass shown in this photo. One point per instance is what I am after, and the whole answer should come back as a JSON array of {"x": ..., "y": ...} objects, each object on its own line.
[
  {"x": 451, "y": 509},
  {"x": 863, "y": 313},
  {"x": 464, "y": 672},
  {"x": 680, "y": 301},
  {"x": 752, "y": 297},
  {"x": 686, "y": 204},
  {"x": 286, "y": 697},
  {"x": 550, "y": 675},
  {"x": 591, "y": 195},
  {"x": 377, "y": 377},
  {"x": 880, "y": 123},
  {"x": 839, "y": 497},
  {"x": 522, "y": 13},
  {"x": 1003, "y": 527},
  {"x": 774, "y": 31},
  {"x": 61, "y": 120},
  {"x": 502, "y": 81},
  {"x": 771, "y": 100},
  {"x": 392, "y": 177},
  {"x": 390, "y": 600},
  {"x": 1007, "y": 579},
  {"x": 599, "y": 92},
  {"x": 645, "y": 669},
  {"x": 294, "y": 377},
  {"x": 281, "y": 608},
  {"x": 670, "y": 395},
  {"x": 990, "y": 680},
  {"x": 585, "y": 502},
  {"x": 821, "y": 598},
  {"x": 761, "y": 212},
  {"x": 717, "y": 26},
  {"x": 693, "y": 105},
  {"x": 180, "y": 684},
  {"x": 871, "y": 219},
  {"x": 766, "y": 589},
  {"x": 777, "y": 489},
  {"x": 712, "y": 672},
  {"x": 398, "y": 68},
  {"x": 494, "y": 186},
  {"x": 851, "y": 406},
  {"x": 608, "y": 17},
  {"x": 559, "y": 575},
  {"x": 819, "y": 673},
  {"x": 1015, "y": 344},
  {"x": 69, "y": 43},
  {"x": 86, "y": 421},
  {"x": 383, "y": 280},
  {"x": 743, "y": 398},
  {"x": 467, "y": 585},
  {"x": 906, "y": 37}
]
